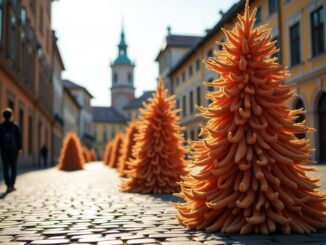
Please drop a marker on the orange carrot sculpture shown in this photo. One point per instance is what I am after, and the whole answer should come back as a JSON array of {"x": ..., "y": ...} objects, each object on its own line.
[
  {"x": 159, "y": 154},
  {"x": 93, "y": 155},
  {"x": 127, "y": 148},
  {"x": 71, "y": 157},
  {"x": 116, "y": 148},
  {"x": 253, "y": 174},
  {"x": 86, "y": 154},
  {"x": 107, "y": 153}
]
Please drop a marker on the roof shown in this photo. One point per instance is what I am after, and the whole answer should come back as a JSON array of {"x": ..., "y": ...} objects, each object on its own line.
[
  {"x": 122, "y": 54},
  {"x": 72, "y": 97},
  {"x": 107, "y": 114},
  {"x": 71, "y": 85},
  {"x": 178, "y": 41},
  {"x": 122, "y": 59},
  {"x": 137, "y": 103},
  {"x": 227, "y": 17},
  {"x": 56, "y": 49}
]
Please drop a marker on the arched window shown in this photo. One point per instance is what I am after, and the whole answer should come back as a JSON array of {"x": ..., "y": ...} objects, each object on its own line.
[
  {"x": 301, "y": 117},
  {"x": 115, "y": 77},
  {"x": 129, "y": 77},
  {"x": 322, "y": 126}
]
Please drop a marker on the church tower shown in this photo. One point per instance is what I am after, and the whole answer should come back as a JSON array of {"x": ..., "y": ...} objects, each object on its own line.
[{"x": 122, "y": 90}]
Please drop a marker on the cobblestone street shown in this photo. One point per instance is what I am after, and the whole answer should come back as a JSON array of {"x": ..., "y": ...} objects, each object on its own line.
[{"x": 86, "y": 207}]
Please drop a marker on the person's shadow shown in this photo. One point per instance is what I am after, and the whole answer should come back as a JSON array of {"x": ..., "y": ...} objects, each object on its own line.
[{"x": 3, "y": 195}]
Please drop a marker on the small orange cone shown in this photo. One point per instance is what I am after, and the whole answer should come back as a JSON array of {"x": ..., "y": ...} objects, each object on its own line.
[{"x": 71, "y": 157}]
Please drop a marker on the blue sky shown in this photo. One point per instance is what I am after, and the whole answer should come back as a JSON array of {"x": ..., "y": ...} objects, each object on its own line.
[{"x": 89, "y": 31}]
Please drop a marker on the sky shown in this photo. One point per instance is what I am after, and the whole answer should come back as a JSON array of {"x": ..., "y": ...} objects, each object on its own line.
[{"x": 88, "y": 33}]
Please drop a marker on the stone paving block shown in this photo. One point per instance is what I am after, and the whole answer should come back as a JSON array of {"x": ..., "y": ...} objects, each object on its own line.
[
  {"x": 141, "y": 241},
  {"x": 86, "y": 207},
  {"x": 4, "y": 240},
  {"x": 181, "y": 243},
  {"x": 50, "y": 242},
  {"x": 177, "y": 239},
  {"x": 116, "y": 242},
  {"x": 13, "y": 243}
]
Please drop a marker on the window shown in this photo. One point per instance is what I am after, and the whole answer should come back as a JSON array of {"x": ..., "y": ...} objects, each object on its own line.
[
  {"x": 21, "y": 120},
  {"x": 198, "y": 132},
  {"x": 12, "y": 36},
  {"x": 190, "y": 71},
  {"x": 177, "y": 81},
  {"x": 198, "y": 95},
  {"x": 11, "y": 100},
  {"x": 277, "y": 44},
  {"x": 317, "y": 31},
  {"x": 21, "y": 52},
  {"x": 30, "y": 67},
  {"x": 115, "y": 77},
  {"x": 129, "y": 77},
  {"x": 210, "y": 53},
  {"x": 113, "y": 132},
  {"x": 192, "y": 134},
  {"x": 258, "y": 16},
  {"x": 272, "y": 6},
  {"x": 295, "y": 44},
  {"x": 220, "y": 47},
  {"x": 210, "y": 89},
  {"x": 191, "y": 102},
  {"x": 23, "y": 16},
  {"x": 184, "y": 106},
  {"x": 1, "y": 19},
  {"x": 185, "y": 137},
  {"x": 105, "y": 137},
  {"x": 30, "y": 135},
  {"x": 183, "y": 76},
  {"x": 301, "y": 117},
  {"x": 197, "y": 65},
  {"x": 32, "y": 5}
]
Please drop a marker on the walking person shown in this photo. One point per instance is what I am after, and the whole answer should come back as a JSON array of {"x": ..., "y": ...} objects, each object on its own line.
[
  {"x": 44, "y": 155},
  {"x": 11, "y": 148}
]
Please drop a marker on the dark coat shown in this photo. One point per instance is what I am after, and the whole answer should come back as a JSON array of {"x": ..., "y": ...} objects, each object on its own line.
[{"x": 9, "y": 125}]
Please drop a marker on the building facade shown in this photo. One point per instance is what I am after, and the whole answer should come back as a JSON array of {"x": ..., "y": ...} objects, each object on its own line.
[
  {"x": 57, "y": 101},
  {"x": 107, "y": 122},
  {"x": 83, "y": 98},
  {"x": 300, "y": 33},
  {"x": 71, "y": 112},
  {"x": 26, "y": 55},
  {"x": 174, "y": 47}
]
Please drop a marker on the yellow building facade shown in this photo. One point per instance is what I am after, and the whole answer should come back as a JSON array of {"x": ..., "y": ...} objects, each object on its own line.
[
  {"x": 299, "y": 28},
  {"x": 107, "y": 123}
]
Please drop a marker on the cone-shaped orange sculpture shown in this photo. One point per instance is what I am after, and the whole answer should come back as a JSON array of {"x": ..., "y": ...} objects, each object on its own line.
[
  {"x": 116, "y": 148},
  {"x": 86, "y": 154},
  {"x": 127, "y": 148},
  {"x": 107, "y": 153},
  {"x": 71, "y": 156},
  {"x": 93, "y": 155},
  {"x": 159, "y": 153},
  {"x": 253, "y": 174}
]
